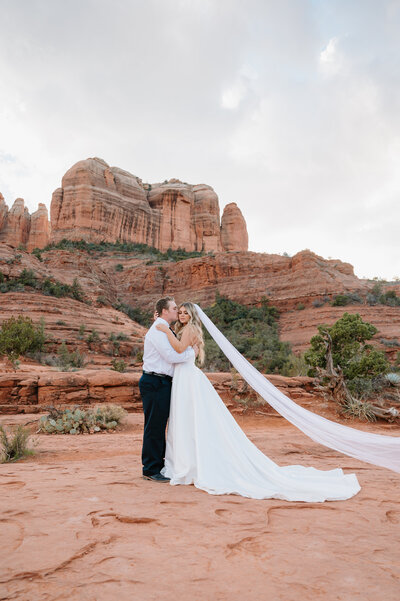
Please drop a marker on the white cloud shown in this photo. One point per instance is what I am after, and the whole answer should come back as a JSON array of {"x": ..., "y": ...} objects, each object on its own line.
[
  {"x": 239, "y": 96},
  {"x": 330, "y": 58}
]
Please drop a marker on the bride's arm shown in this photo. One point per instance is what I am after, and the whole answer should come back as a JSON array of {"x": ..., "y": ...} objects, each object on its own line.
[{"x": 178, "y": 345}]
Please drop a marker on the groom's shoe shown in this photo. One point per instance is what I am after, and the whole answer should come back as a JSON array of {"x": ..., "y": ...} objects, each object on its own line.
[{"x": 156, "y": 478}]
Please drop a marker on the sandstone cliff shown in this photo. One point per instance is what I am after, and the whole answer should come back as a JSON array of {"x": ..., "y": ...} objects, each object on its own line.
[
  {"x": 18, "y": 227},
  {"x": 97, "y": 202}
]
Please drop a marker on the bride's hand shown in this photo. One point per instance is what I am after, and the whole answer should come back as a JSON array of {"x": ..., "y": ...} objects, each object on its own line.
[{"x": 162, "y": 327}]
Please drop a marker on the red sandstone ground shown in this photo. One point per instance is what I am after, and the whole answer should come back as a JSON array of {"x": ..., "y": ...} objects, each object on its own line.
[{"x": 79, "y": 524}]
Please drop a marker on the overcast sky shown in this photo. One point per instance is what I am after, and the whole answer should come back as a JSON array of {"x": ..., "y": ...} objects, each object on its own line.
[{"x": 290, "y": 108}]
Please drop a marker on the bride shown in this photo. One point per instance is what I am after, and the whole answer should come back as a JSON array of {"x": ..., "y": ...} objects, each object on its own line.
[{"x": 207, "y": 448}]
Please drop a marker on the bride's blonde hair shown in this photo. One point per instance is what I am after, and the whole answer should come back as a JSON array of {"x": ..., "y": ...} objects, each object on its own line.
[{"x": 195, "y": 323}]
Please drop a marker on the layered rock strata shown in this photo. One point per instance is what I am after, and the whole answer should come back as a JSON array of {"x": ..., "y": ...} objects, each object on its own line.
[
  {"x": 18, "y": 227},
  {"x": 97, "y": 202}
]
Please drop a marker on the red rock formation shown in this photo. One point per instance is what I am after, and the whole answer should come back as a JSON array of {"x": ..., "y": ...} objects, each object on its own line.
[
  {"x": 3, "y": 211},
  {"x": 16, "y": 224},
  {"x": 39, "y": 233},
  {"x": 206, "y": 219},
  {"x": 233, "y": 229},
  {"x": 242, "y": 276},
  {"x": 97, "y": 202},
  {"x": 18, "y": 227}
]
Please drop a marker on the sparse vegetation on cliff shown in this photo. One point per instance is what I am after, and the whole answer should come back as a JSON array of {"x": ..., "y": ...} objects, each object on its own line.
[
  {"x": 28, "y": 278},
  {"x": 252, "y": 330},
  {"x": 378, "y": 297},
  {"x": 145, "y": 318},
  {"x": 123, "y": 247}
]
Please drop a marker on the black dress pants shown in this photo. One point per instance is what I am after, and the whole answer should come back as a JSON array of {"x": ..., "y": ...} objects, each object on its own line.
[{"x": 156, "y": 398}]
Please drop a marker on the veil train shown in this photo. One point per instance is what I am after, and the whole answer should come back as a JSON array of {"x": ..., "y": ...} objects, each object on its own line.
[{"x": 377, "y": 449}]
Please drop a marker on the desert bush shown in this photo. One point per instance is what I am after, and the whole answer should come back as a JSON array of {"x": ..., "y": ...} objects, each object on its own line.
[
  {"x": 38, "y": 254},
  {"x": 378, "y": 297},
  {"x": 120, "y": 336},
  {"x": 252, "y": 330},
  {"x": 67, "y": 360},
  {"x": 79, "y": 421},
  {"x": 390, "y": 343},
  {"x": 340, "y": 300},
  {"x": 118, "y": 365},
  {"x": 359, "y": 409},
  {"x": 318, "y": 303},
  {"x": 14, "y": 445},
  {"x": 93, "y": 338},
  {"x": 300, "y": 306},
  {"x": 349, "y": 349},
  {"x": 119, "y": 267},
  {"x": 19, "y": 335},
  {"x": 101, "y": 300},
  {"x": 145, "y": 318},
  {"x": 296, "y": 365}
]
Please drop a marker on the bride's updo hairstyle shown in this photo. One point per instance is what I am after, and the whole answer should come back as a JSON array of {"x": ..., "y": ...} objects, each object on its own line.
[{"x": 195, "y": 323}]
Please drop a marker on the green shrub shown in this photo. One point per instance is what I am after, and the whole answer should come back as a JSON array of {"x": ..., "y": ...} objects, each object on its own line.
[
  {"x": 37, "y": 253},
  {"x": 77, "y": 290},
  {"x": 14, "y": 445},
  {"x": 377, "y": 296},
  {"x": 67, "y": 360},
  {"x": 119, "y": 267},
  {"x": 19, "y": 335},
  {"x": 118, "y": 365},
  {"x": 296, "y": 365},
  {"x": 93, "y": 338},
  {"x": 47, "y": 286},
  {"x": 252, "y": 330},
  {"x": 390, "y": 343},
  {"x": 341, "y": 300},
  {"x": 300, "y": 307},
  {"x": 349, "y": 349},
  {"x": 145, "y": 318}
]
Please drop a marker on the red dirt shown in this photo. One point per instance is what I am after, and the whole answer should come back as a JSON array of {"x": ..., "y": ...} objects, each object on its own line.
[{"x": 80, "y": 524}]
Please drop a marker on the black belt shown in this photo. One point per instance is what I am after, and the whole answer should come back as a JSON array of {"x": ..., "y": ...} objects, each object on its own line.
[{"x": 153, "y": 373}]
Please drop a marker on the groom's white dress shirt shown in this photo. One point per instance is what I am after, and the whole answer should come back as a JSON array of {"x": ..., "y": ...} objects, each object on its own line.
[{"x": 158, "y": 354}]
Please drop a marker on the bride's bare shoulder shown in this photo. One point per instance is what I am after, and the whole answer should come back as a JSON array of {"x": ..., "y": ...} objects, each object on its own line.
[{"x": 189, "y": 333}]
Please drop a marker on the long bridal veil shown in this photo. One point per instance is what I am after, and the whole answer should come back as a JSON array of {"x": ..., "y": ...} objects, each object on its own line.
[{"x": 373, "y": 448}]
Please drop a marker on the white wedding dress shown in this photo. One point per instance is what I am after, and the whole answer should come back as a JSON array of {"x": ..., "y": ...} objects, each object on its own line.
[{"x": 207, "y": 448}]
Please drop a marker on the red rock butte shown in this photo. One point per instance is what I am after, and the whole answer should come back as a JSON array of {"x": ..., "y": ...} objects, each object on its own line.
[
  {"x": 18, "y": 227},
  {"x": 99, "y": 203}
]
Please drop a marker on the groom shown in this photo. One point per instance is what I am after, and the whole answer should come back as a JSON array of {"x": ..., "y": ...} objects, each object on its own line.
[{"x": 155, "y": 388}]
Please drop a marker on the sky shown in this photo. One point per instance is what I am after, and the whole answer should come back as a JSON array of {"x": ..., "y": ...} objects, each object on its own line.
[{"x": 290, "y": 108}]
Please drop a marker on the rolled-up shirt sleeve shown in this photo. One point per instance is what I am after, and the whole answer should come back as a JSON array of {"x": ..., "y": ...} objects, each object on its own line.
[{"x": 162, "y": 344}]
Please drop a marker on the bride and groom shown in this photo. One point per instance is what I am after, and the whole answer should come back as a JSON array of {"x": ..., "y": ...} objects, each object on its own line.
[{"x": 205, "y": 446}]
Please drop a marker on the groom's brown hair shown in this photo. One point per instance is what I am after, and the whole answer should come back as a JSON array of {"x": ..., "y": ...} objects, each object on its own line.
[{"x": 163, "y": 303}]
